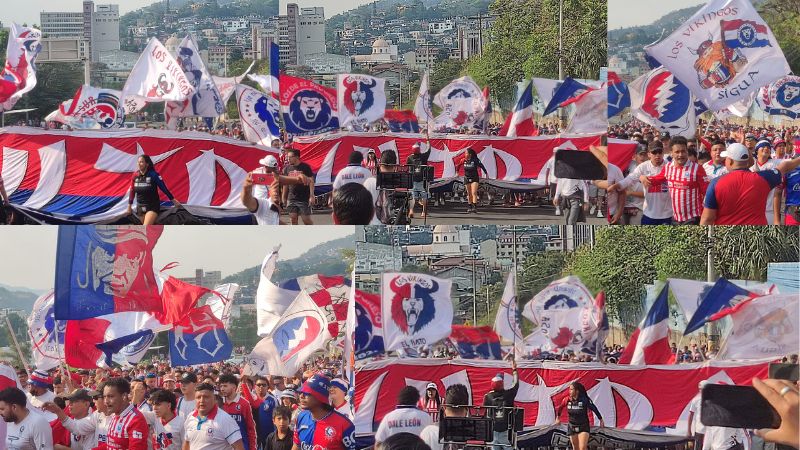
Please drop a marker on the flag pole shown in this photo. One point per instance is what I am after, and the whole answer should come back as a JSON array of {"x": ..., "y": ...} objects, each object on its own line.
[{"x": 16, "y": 344}]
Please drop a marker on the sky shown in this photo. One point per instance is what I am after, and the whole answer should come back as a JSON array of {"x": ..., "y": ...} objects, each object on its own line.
[
  {"x": 28, "y": 10},
  {"x": 229, "y": 249},
  {"x": 627, "y": 13}
]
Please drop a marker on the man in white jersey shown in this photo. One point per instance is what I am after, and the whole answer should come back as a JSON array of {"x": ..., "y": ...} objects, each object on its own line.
[
  {"x": 27, "y": 430},
  {"x": 657, "y": 203},
  {"x": 40, "y": 388},
  {"x": 166, "y": 425},
  {"x": 187, "y": 402},
  {"x": 353, "y": 173},
  {"x": 715, "y": 167},
  {"x": 91, "y": 429},
  {"x": 209, "y": 427},
  {"x": 139, "y": 395}
]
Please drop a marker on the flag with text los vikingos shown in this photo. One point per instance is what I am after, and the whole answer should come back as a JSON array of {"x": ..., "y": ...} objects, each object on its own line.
[
  {"x": 206, "y": 101},
  {"x": 259, "y": 115},
  {"x": 301, "y": 331},
  {"x": 221, "y": 301},
  {"x": 416, "y": 310},
  {"x": 103, "y": 270},
  {"x": 564, "y": 313},
  {"x": 476, "y": 342},
  {"x": 362, "y": 100},
  {"x": 763, "y": 327},
  {"x": 659, "y": 99},
  {"x": 723, "y": 53},
  {"x": 307, "y": 107},
  {"x": 157, "y": 76},
  {"x": 506, "y": 322},
  {"x": 46, "y": 334},
  {"x": 19, "y": 73},
  {"x": 199, "y": 338}
]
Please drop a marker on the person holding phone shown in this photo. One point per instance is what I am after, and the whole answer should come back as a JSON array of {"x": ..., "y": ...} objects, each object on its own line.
[
  {"x": 144, "y": 187},
  {"x": 578, "y": 405},
  {"x": 261, "y": 191},
  {"x": 472, "y": 178}
]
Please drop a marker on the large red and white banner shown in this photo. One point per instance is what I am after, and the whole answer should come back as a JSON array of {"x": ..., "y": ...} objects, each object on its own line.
[
  {"x": 85, "y": 176},
  {"x": 508, "y": 159},
  {"x": 621, "y": 151},
  {"x": 631, "y": 397}
]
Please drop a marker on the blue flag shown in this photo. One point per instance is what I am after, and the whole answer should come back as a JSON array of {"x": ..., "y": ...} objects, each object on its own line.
[
  {"x": 476, "y": 342},
  {"x": 722, "y": 295},
  {"x": 103, "y": 270},
  {"x": 199, "y": 338},
  {"x": 619, "y": 98}
]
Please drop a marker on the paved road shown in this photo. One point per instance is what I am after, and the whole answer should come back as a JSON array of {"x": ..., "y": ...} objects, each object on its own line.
[{"x": 455, "y": 214}]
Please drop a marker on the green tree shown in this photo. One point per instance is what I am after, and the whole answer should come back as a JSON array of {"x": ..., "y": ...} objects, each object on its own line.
[
  {"x": 783, "y": 18},
  {"x": 54, "y": 84}
]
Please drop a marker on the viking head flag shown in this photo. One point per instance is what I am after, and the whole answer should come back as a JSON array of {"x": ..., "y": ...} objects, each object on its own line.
[
  {"x": 158, "y": 76},
  {"x": 723, "y": 53},
  {"x": 362, "y": 100},
  {"x": 416, "y": 310}
]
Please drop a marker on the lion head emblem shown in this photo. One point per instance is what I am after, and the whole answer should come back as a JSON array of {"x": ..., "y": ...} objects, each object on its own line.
[
  {"x": 358, "y": 95},
  {"x": 309, "y": 111},
  {"x": 413, "y": 306}
]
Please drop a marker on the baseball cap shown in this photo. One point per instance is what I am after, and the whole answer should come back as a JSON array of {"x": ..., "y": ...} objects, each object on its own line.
[
  {"x": 79, "y": 394},
  {"x": 268, "y": 161},
  {"x": 317, "y": 386},
  {"x": 169, "y": 377},
  {"x": 641, "y": 149},
  {"x": 150, "y": 375},
  {"x": 498, "y": 377},
  {"x": 750, "y": 136},
  {"x": 40, "y": 379},
  {"x": 431, "y": 386},
  {"x": 189, "y": 377},
  {"x": 736, "y": 152}
]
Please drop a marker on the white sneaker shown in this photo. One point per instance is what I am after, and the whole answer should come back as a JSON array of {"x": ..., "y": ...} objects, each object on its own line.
[
  {"x": 600, "y": 214},
  {"x": 558, "y": 210},
  {"x": 592, "y": 209}
]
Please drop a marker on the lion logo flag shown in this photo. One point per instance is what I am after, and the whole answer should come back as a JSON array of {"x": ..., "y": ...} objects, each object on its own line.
[
  {"x": 362, "y": 100},
  {"x": 723, "y": 53},
  {"x": 157, "y": 76},
  {"x": 416, "y": 310}
]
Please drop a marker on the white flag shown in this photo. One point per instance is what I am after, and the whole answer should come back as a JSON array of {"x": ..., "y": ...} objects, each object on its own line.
[
  {"x": 157, "y": 76},
  {"x": 784, "y": 97},
  {"x": 46, "y": 334},
  {"x": 422, "y": 107},
  {"x": 416, "y": 310},
  {"x": 271, "y": 300},
  {"x": 763, "y": 327},
  {"x": 19, "y": 73},
  {"x": 300, "y": 332},
  {"x": 724, "y": 52},
  {"x": 221, "y": 301},
  {"x": 268, "y": 83},
  {"x": 564, "y": 313},
  {"x": 660, "y": 100},
  {"x": 361, "y": 100},
  {"x": 462, "y": 104},
  {"x": 93, "y": 107},
  {"x": 545, "y": 88},
  {"x": 591, "y": 113},
  {"x": 506, "y": 323},
  {"x": 206, "y": 100},
  {"x": 350, "y": 334},
  {"x": 259, "y": 114}
]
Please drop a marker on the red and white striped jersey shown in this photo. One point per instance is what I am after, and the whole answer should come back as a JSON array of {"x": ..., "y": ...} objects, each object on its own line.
[
  {"x": 687, "y": 186},
  {"x": 128, "y": 430}
]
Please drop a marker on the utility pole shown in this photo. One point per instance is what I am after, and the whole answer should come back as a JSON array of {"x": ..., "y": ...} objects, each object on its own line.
[
  {"x": 474, "y": 297},
  {"x": 561, "y": 40}
]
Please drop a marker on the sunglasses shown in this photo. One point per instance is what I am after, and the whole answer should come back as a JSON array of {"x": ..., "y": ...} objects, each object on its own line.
[{"x": 260, "y": 384}]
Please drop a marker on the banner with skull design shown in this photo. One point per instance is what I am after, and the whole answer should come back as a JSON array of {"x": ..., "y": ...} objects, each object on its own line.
[
  {"x": 723, "y": 53},
  {"x": 416, "y": 310}
]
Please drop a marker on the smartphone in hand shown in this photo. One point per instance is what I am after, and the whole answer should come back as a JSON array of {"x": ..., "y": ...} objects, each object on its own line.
[
  {"x": 724, "y": 405},
  {"x": 263, "y": 178}
]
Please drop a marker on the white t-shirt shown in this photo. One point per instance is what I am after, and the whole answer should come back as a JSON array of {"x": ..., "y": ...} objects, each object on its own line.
[
  {"x": 722, "y": 438},
  {"x": 186, "y": 407},
  {"x": 769, "y": 165},
  {"x": 405, "y": 419},
  {"x": 714, "y": 171},
  {"x": 371, "y": 185},
  {"x": 48, "y": 396},
  {"x": 217, "y": 432},
  {"x": 95, "y": 425},
  {"x": 430, "y": 435},
  {"x": 169, "y": 436},
  {"x": 33, "y": 433},
  {"x": 344, "y": 409},
  {"x": 264, "y": 214},
  {"x": 351, "y": 174},
  {"x": 694, "y": 407},
  {"x": 614, "y": 176},
  {"x": 657, "y": 205}
]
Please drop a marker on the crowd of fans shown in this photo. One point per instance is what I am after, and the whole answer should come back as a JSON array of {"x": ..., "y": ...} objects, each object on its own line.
[
  {"x": 725, "y": 175},
  {"x": 155, "y": 406}
]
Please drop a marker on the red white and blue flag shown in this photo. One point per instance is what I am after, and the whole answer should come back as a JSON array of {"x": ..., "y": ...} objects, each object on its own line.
[
  {"x": 416, "y": 310},
  {"x": 649, "y": 344},
  {"x": 369, "y": 328},
  {"x": 568, "y": 92},
  {"x": 104, "y": 270},
  {"x": 307, "y": 107},
  {"x": 740, "y": 33},
  {"x": 362, "y": 100},
  {"x": 46, "y": 334},
  {"x": 401, "y": 121},
  {"x": 723, "y": 294},
  {"x": 476, "y": 342},
  {"x": 520, "y": 122},
  {"x": 596, "y": 345},
  {"x": 199, "y": 338},
  {"x": 19, "y": 73},
  {"x": 300, "y": 332},
  {"x": 659, "y": 99}
]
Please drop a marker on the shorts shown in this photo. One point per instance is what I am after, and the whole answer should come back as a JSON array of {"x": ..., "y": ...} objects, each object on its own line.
[
  {"x": 468, "y": 180},
  {"x": 692, "y": 221},
  {"x": 146, "y": 208},
  {"x": 649, "y": 221},
  {"x": 572, "y": 429},
  {"x": 418, "y": 191},
  {"x": 300, "y": 208}
]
